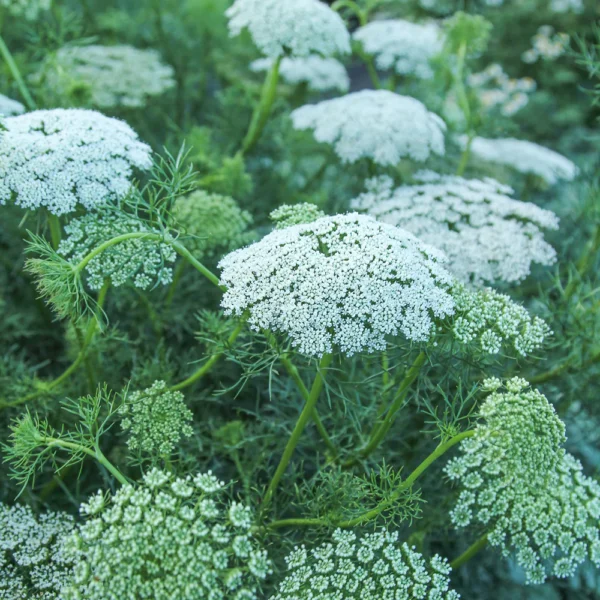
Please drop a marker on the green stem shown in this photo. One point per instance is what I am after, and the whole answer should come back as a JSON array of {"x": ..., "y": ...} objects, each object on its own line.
[
  {"x": 295, "y": 375},
  {"x": 96, "y": 454},
  {"x": 173, "y": 287},
  {"x": 262, "y": 111},
  {"x": 55, "y": 230},
  {"x": 183, "y": 251},
  {"x": 89, "y": 335},
  {"x": 361, "y": 15},
  {"x": 210, "y": 363},
  {"x": 465, "y": 156},
  {"x": 470, "y": 552},
  {"x": 12, "y": 66},
  {"x": 89, "y": 370},
  {"x": 305, "y": 415},
  {"x": 374, "y": 513},
  {"x": 380, "y": 430}
]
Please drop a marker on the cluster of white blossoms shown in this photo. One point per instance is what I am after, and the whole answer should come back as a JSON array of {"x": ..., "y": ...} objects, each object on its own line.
[
  {"x": 155, "y": 419},
  {"x": 143, "y": 262},
  {"x": 517, "y": 482},
  {"x": 114, "y": 75},
  {"x": 33, "y": 564},
  {"x": 10, "y": 107},
  {"x": 495, "y": 89},
  {"x": 525, "y": 157},
  {"x": 494, "y": 322},
  {"x": 373, "y": 567},
  {"x": 401, "y": 46},
  {"x": 60, "y": 158},
  {"x": 547, "y": 45},
  {"x": 295, "y": 214},
  {"x": 374, "y": 124},
  {"x": 343, "y": 282},
  {"x": 166, "y": 538},
  {"x": 317, "y": 73},
  {"x": 29, "y": 9},
  {"x": 486, "y": 235},
  {"x": 290, "y": 27}
]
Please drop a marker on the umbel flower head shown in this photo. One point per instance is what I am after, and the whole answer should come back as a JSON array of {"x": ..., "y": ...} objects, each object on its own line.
[
  {"x": 319, "y": 74},
  {"x": 10, "y": 107},
  {"x": 155, "y": 419},
  {"x": 58, "y": 159},
  {"x": 166, "y": 538},
  {"x": 141, "y": 261},
  {"x": 290, "y": 27},
  {"x": 486, "y": 235},
  {"x": 525, "y": 157},
  {"x": 372, "y": 567},
  {"x": 295, "y": 214},
  {"x": 345, "y": 281},
  {"x": 212, "y": 224},
  {"x": 33, "y": 563},
  {"x": 401, "y": 46},
  {"x": 29, "y": 9},
  {"x": 113, "y": 75},
  {"x": 518, "y": 484},
  {"x": 375, "y": 124}
]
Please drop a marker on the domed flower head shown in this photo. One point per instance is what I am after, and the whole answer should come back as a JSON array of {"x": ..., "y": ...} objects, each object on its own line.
[
  {"x": 10, "y": 107},
  {"x": 373, "y": 567},
  {"x": 486, "y": 235},
  {"x": 401, "y": 46},
  {"x": 114, "y": 75},
  {"x": 319, "y": 74},
  {"x": 375, "y": 124},
  {"x": 525, "y": 157},
  {"x": 345, "y": 281},
  {"x": 29, "y": 9},
  {"x": 166, "y": 538},
  {"x": 33, "y": 563},
  {"x": 58, "y": 159},
  {"x": 290, "y": 27},
  {"x": 212, "y": 224},
  {"x": 520, "y": 486}
]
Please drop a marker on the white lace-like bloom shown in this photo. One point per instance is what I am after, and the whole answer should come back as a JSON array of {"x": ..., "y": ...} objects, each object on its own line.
[
  {"x": 518, "y": 483},
  {"x": 166, "y": 538},
  {"x": 373, "y": 567},
  {"x": 114, "y": 75},
  {"x": 29, "y": 9},
  {"x": 525, "y": 157},
  {"x": 379, "y": 125},
  {"x": 33, "y": 564},
  {"x": 401, "y": 46},
  {"x": 60, "y": 158},
  {"x": 486, "y": 235},
  {"x": 547, "y": 45},
  {"x": 345, "y": 281},
  {"x": 290, "y": 27},
  {"x": 10, "y": 107},
  {"x": 319, "y": 74}
]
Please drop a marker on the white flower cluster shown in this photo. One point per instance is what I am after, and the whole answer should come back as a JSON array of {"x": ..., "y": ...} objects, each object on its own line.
[
  {"x": 290, "y": 27},
  {"x": 295, "y": 214},
  {"x": 525, "y": 157},
  {"x": 143, "y": 262},
  {"x": 495, "y": 89},
  {"x": 33, "y": 564},
  {"x": 401, "y": 46},
  {"x": 29, "y": 9},
  {"x": 319, "y": 74},
  {"x": 10, "y": 107},
  {"x": 155, "y": 419},
  {"x": 60, "y": 158},
  {"x": 494, "y": 322},
  {"x": 213, "y": 224},
  {"x": 375, "y": 124},
  {"x": 163, "y": 539},
  {"x": 115, "y": 75},
  {"x": 372, "y": 567},
  {"x": 546, "y": 45},
  {"x": 486, "y": 235},
  {"x": 518, "y": 483},
  {"x": 345, "y": 281}
]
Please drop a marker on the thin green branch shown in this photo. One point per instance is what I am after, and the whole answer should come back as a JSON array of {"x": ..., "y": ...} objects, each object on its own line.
[
  {"x": 14, "y": 70},
  {"x": 470, "y": 552}
]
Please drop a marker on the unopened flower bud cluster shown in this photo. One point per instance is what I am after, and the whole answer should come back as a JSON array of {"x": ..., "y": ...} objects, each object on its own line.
[{"x": 295, "y": 214}]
